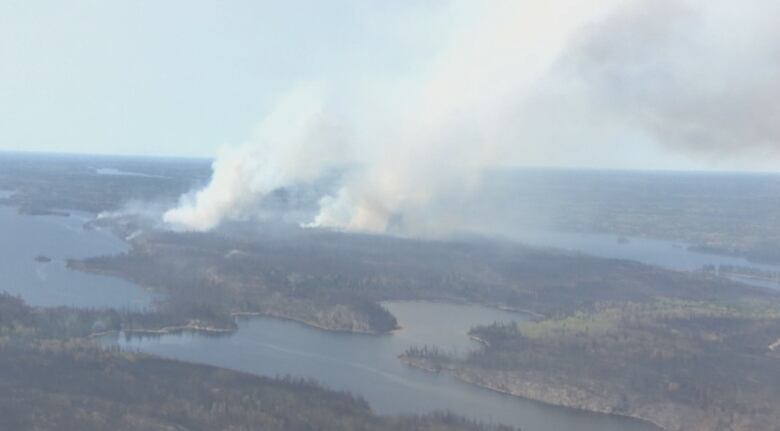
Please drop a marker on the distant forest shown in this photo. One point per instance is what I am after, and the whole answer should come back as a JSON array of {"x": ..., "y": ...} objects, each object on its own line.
[{"x": 50, "y": 381}]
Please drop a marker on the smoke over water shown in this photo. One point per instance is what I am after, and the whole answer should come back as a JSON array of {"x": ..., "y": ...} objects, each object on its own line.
[{"x": 517, "y": 83}]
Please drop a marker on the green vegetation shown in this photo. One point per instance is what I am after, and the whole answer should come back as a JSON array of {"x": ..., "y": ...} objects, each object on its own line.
[
  {"x": 684, "y": 365},
  {"x": 49, "y": 381},
  {"x": 725, "y": 213},
  {"x": 687, "y": 351},
  {"x": 335, "y": 281},
  {"x": 607, "y": 317},
  {"x": 65, "y": 322},
  {"x": 53, "y": 185}
]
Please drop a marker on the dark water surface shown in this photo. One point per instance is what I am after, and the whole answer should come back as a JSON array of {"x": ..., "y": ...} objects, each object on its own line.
[
  {"x": 667, "y": 254},
  {"x": 365, "y": 365},
  {"x": 23, "y": 238},
  {"x": 369, "y": 365}
]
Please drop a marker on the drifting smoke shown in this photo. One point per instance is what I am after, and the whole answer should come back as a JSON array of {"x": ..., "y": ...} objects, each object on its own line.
[
  {"x": 700, "y": 76},
  {"x": 518, "y": 77},
  {"x": 295, "y": 143},
  {"x": 460, "y": 117}
]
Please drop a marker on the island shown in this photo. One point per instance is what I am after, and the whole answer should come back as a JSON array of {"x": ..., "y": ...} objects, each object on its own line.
[{"x": 53, "y": 378}]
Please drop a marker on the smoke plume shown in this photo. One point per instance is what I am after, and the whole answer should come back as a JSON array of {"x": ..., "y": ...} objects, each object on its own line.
[
  {"x": 459, "y": 117},
  {"x": 515, "y": 83},
  {"x": 295, "y": 143},
  {"x": 699, "y": 76}
]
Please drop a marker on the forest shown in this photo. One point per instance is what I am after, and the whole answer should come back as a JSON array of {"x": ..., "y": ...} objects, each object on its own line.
[
  {"x": 683, "y": 365},
  {"x": 337, "y": 281},
  {"x": 51, "y": 379},
  {"x": 725, "y": 213},
  {"x": 684, "y": 350}
]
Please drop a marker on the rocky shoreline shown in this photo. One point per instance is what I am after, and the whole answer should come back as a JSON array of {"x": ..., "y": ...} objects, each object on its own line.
[
  {"x": 666, "y": 416},
  {"x": 544, "y": 392}
]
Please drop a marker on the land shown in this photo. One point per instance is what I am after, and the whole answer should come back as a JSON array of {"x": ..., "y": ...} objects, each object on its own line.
[
  {"x": 684, "y": 350},
  {"x": 745, "y": 272},
  {"x": 43, "y": 184},
  {"x": 681, "y": 365},
  {"x": 52, "y": 378},
  {"x": 719, "y": 212},
  {"x": 727, "y": 213},
  {"x": 337, "y": 281}
]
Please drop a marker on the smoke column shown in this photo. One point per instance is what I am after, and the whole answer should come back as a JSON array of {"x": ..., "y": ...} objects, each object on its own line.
[
  {"x": 702, "y": 77},
  {"x": 514, "y": 83},
  {"x": 293, "y": 144}
]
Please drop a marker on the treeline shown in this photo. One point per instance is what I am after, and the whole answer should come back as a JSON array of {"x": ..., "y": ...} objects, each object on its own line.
[
  {"x": 428, "y": 352},
  {"x": 673, "y": 362},
  {"x": 205, "y": 284},
  {"x": 20, "y": 320},
  {"x": 743, "y": 271},
  {"x": 49, "y": 184},
  {"x": 72, "y": 385},
  {"x": 51, "y": 381},
  {"x": 336, "y": 280}
]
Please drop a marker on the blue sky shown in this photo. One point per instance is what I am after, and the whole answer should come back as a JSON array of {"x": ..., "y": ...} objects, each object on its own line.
[
  {"x": 186, "y": 78},
  {"x": 179, "y": 77}
]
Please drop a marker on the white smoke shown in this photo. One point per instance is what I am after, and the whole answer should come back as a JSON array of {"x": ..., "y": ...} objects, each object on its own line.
[
  {"x": 460, "y": 117},
  {"x": 515, "y": 81},
  {"x": 295, "y": 143}
]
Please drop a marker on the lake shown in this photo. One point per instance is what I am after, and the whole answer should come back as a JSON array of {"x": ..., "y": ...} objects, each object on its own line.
[
  {"x": 369, "y": 366},
  {"x": 667, "y": 254},
  {"x": 365, "y": 365},
  {"x": 58, "y": 238}
]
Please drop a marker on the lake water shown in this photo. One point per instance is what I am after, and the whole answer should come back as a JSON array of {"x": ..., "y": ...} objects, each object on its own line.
[
  {"x": 667, "y": 254},
  {"x": 23, "y": 238},
  {"x": 369, "y": 365},
  {"x": 365, "y": 365}
]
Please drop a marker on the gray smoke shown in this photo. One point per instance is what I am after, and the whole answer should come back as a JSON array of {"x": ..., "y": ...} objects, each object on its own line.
[
  {"x": 517, "y": 83},
  {"x": 698, "y": 76}
]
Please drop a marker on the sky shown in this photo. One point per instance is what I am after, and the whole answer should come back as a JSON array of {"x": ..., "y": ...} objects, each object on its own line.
[
  {"x": 591, "y": 83},
  {"x": 180, "y": 77}
]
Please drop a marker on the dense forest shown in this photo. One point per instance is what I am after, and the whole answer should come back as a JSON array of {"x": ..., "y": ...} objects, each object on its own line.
[
  {"x": 50, "y": 381},
  {"x": 683, "y": 365},
  {"x": 56, "y": 184},
  {"x": 66, "y": 322},
  {"x": 335, "y": 280},
  {"x": 733, "y": 214},
  {"x": 687, "y": 351},
  {"x": 718, "y": 212}
]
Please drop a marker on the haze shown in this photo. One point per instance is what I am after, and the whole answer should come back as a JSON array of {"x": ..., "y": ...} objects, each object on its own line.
[
  {"x": 187, "y": 78},
  {"x": 432, "y": 215}
]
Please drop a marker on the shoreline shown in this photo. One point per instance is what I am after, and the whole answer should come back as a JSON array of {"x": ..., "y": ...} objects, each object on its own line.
[
  {"x": 75, "y": 265},
  {"x": 460, "y": 377},
  {"x": 310, "y": 324},
  {"x": 177, "y": 329},
  {"x": 168, "y": 330}
]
